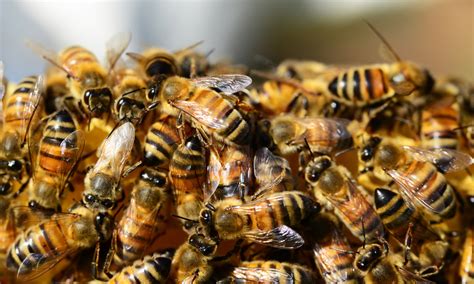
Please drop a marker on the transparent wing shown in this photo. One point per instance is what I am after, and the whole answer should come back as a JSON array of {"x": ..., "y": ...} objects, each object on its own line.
[
  {"x": 214, "y": 170},
  {"x": 115, "y": 150},
  {"x": 115, "y": 47},
  {"x": 410, "y": 191},
  {"x": 29, "y": 108},
  {"x": 49, "y": 56},
  {"x": 188, "y": 48},
  {"x": 230, "y": 83},
  {"x": 269, "y": 170},
  {"x": 201, "y": 113},
  {"x": 71, "y": 150},
  {"x": 446, "y": 160},
  {"x": 282, "y": 237},
  {"x": 260, "y": 275},
  {"x": 25, "y": 216},
  {"x": 412, "y": 277},
  {"x": 35, "y": 264}
]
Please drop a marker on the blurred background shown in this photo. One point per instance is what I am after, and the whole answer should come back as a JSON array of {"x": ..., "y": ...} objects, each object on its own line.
[{"x": 435, "y": 33}]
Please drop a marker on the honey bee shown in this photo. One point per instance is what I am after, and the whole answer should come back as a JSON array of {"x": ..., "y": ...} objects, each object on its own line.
[
  {"x": 60, "y": 148},
  {"x": 161, "y": 141},
  {"x": 419, "y": 174},
  {"x": 333, "y": 257},
  {"x": 154, "y": 62},
  {"x": 56, "y": 89},
  {"x": 324, "y": 135},
  {"x": 375, "y": 85},
  {"x": 332, "y": 183},
  {"x": 229, "y": 174},
  {"x": 272, "y": 173},
  {"x": 145, "y": 217},
  {"x": 18, "y": 117},
  {"x": 438, "y": 125},
  {"x": 191, "y": 63},
  {"x": 42, "y": 246},
  {"x": 266, "y": 220},
  {"x": 102, "y": 183},
  {"x": 151, "y": 269},
  {"x": 187, "y": 175},
  {"x": 301, "y": 69},
  {"x": 270, "y": 272},
  {"x": 466, "y": 268},
  {"x": 214, "y": 112}
]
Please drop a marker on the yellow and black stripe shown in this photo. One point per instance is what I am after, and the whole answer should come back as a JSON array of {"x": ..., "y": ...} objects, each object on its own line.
[
  {"x": 361, "y": 86},
  {"x": 76, "y": 55},
  {"x": 151, "y": 269},
  {"x": 437, "y": 127},
  {"x": 159, "y": 62},
  {"x": 290, "y": 273},
  {"x": 160, "y": 143}
]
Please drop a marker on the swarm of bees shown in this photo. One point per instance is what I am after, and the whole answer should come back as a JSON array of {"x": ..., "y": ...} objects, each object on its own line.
[{"x": 162, "y": 167}]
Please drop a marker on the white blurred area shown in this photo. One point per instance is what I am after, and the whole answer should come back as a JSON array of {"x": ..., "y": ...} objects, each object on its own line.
[{"x": 437, "y": 34}]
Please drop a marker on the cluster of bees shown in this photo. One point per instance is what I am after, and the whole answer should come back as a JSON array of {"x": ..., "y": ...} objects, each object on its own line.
[{"x": 312, "y": 173}]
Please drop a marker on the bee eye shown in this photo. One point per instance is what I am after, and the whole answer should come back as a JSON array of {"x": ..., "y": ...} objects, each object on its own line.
[
  {"x": 314, "y": 175},
  {"x": 90, "y": 198},
  {"x": 108, "y": 203},
  {"x": 159, "y": 181},
  {"x": 99, "y": 219},
  {"x": 206, "y": 217},
  {"x": 376, "y": 252},
  {"x": 14, "y": 165},
  {"x": 4, "y": 188},
  {"x": 87, "y": 95},
  {"x": 367, "y": 154},
  {"x": 206, "y": 249},
  {"x": 362, "y": 265}
]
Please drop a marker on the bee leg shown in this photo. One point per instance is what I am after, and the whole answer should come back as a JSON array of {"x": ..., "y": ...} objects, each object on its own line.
[
  {"x": 408, "y": 242},
  {"x": 96, "y": 274},
  {"x": 193, "y": 69},
  {"x": 205, "y": 139},
  {"x": 20, "y": 190},
  {"x": 110, "y": 256},
  {"x": 298, "y": 106},
  {"x": 132, "y": 168},
  {"x": 180, "y": 126}
]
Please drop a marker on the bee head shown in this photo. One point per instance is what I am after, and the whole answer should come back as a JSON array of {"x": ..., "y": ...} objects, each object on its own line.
[
  {"x": 283, "y": 130},
  {"x": 161, "y": 65},
  {"x": 316, "y": 167},
  {"x": 388, "y": 156},
  {"x": 205, "y": 246},
  {"x": 368, "y": 151},
  {"x": 368, "y": 256},
  {"x": 98, "y": 100}
]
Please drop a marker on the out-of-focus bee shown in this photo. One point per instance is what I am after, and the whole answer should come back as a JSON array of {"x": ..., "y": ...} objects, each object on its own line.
[
  {"x": 266, "y": 220},
  {"x": 161, "y": 141},
  {"x": 229, "y": 174},
  {"x": 59, "y": 150},
  {"x": 191, "y": 261},
  {"x": 324, "y": 135},
  {"x": 145, "y": 217},
  {"x": 418, "y": 173},
  {"x": 187, "y": 175},
  {"x": 374, "y": 85},
  {"x": 301, "y": 69},
  {"x": 19, "y": 110},
  {"x": 151, "y": 269},
  {"x": 333, "y": 184},
  {"x": 214, "y": 112},
  {"x": 102, "y": 189},
  {"x": 332, "y": 255},
  {"x": 439, "y": 122},
  {"x": 154, "y": 62},
  {"x": 272, "y": 173},
  {"x": 56, "y": 89},
  {"x": 270, "y": 272},
  {"x": 43, "y": 245},
  {"x": 466, "y": 268},
  {"x": 191, "y": 63}
]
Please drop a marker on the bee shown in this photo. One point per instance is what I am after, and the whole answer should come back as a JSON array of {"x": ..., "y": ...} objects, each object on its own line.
[
  {"x": 144, "y": 219},
  {"x": 272, "y": 173},
  {"x": 60, "y": 148},
  {"x": 154, "y": 62},
  {"x": 102, "y": 189},
  {"x": 332, "y": 183},
  {"x": 324, "y": 135},
  {"x": 8, "y": 230},
  {"x": 153, "y": 268},
  {"x": 161, "y": 141},
  {"x": 301, "y": 69},
  {"x": 229, "y": 174},
  {"x": 56, "y": 89},
  {"x": 375, "y": 85},
  {"x": 19, "y": 110},
  {"x": 259, "y": 271},
  {"x": 438, "y": 124},
  {"x": 213, "y": 112},
  {"x": 266, "y": 220},
  {"x": 466, "y": 268},
  {"x": 333, "y": 257},
  {"x": 43, "y": 245},
  {"x": 187, "y": 175},
  {"x": 419, "y": 174},
  {"x": 191, "y": 262},
  {"x": 191, "y": 63}
]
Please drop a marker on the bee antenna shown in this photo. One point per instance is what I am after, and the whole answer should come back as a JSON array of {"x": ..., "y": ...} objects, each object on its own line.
[
  {"x": 184, "y": 218},
  {"x": 363, "y": 232},
  {"x": 210, "y": 52},
  {"x": 210, "y": 207},
  {"x": 384, "y": 41},
  {"x": 309, "y": 148},
  {"x": 133, "y": 91}
]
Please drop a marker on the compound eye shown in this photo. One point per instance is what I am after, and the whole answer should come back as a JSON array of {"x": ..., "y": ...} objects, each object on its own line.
[
  {"x": 87, "y": 95},
  {"x": 206, "y": 250},
  {"x": 376, "y": 252},
  {"x": 366, "y": 154},
  {"x": 108, "y": 203},
  {"x": 4, "y": 188},
  {"x": 15, "y": 165},
  {"x": 90, "y": 198},
  {"x": 314, "y": 175},
  {"x": 206, "y": 217},
  {"x": 362, "y": 265},
  {"x": 159, "y": 181}
]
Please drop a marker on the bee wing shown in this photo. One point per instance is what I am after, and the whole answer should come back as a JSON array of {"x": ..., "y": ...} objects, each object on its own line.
[
  {"x": 115, "y": 47},
  {"x": 269, "y": 170},
  {"x": 408, "y": 188},
  {"x": 214, "y": 170},
  {"x": 201, "y": 113},
  {"x": 282, "y": 237},
  {"x": 37, "y": 264},
  {"x": 115, "y": 150},
  {"x": 71, "y": 149},
  {"x": 34, "y": 98},
  {"x": 25, "y": 216},
  {"x": 446, "y": 160},
  {"x": 260, "y": 275},
  {"x": 336, "y": 129},
  {"x": 228, "y": 83},
  {"x": 412, "y": 277}
]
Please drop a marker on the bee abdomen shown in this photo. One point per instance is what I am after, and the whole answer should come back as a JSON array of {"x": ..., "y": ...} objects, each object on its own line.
[
  {"x": 160, "y": 144},
  {"x": 151, "y": 269}
]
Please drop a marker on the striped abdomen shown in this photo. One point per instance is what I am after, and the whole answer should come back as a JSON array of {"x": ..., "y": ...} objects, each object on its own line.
[
  {"x": 361, "y": 86},
  {"x": 285, "y": 208},
  {"x": 19, "y": 107},
  {"x": 261, "y": 272},
  {"x": 424, "y": 181},
  {"x": 54, "y": 158},
  {"x": 151, "y": 269},
  {"x": 159, "y": 62},
  {"x": 76, "y": 55},
  {"x": 40, "y": 240},
  {"x": 236, "y": 129},
  {"x": 160, "y": 143},
  {"x": 437, "y": 127},
  {"x": 466, "y": 269}
]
